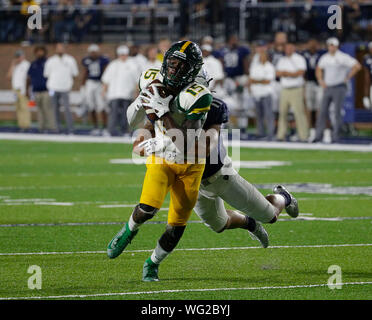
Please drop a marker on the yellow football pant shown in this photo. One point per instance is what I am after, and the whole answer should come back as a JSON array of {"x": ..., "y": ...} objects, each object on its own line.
[{"x": 182, "y": 180}]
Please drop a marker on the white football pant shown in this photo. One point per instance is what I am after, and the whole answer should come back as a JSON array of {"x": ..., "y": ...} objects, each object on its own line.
[{"x": 238, "y": 193}]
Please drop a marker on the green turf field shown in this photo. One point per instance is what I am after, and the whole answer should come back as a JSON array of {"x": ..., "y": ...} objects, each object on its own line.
[{"x": 61, "y": 203}]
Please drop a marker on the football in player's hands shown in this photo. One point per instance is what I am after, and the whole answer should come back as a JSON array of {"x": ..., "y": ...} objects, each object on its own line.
[{"x": 151, "y": 114}]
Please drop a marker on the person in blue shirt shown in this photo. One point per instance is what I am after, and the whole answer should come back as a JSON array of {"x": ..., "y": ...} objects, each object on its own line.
[
  {"x": 94, "y": 65},
  {"x": 235, "y": 58},
  {"x": 37, "y": 81},
  {"x": 367, "y": 69}
]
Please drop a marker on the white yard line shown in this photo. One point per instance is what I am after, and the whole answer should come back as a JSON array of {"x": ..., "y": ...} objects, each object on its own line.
[
  {"x": 66, "y": 187},
  {"x": 243, "y": 144},
  {"x": 333, "y": 198},
  {"x": 108, "y": 206},
  {"x": 188, "y": 249},
  {"x": 28, "y": 200},
  {"x": 182, "y": 290},
  {"x": 302, "y": 217}
]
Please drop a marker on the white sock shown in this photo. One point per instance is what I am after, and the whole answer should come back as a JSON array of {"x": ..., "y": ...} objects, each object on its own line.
[
  {"x": 133, "y": 226},
  {"x": 159, "y": 254}
]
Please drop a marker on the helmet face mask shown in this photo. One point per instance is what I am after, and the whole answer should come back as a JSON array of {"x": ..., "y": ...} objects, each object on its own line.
[
  {"x": 182, "y": 63},
  {"x": 177, "y": 69}
]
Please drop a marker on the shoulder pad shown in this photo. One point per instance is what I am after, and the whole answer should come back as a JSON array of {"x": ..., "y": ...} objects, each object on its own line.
[
  {"x": 148, "y": 76},
  {"x": 190, "y": 95}
]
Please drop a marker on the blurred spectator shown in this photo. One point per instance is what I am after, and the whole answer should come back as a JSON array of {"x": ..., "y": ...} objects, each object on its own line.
[
  {"x": 367, "y": 69},
  {"x": 310, "y": 22},
  {"x": 84, "y": 19},
  {"x": 119, "y": 84},
  {"x": 276, "y": 52},
  {"x": 213, "y": 67},
  {"x": 236, "y": 66},
  {"x": 261, "y": 76},
  {"x": 365, "y": 21},
  {"x": 17, "y": 73},
  {"x": 350, "y": 19},
  {"x": 280, "y": 40},
  {"x": 291, "y": 70},
  {"x": 163, "y": 45},
  {"x": 287, "y": 21},
  {"x": 44, "y": 34},
  {"x": 235, "y": 58},
  {"x": 60, "y": 70},
  {"x": 24, "y": 13},
  {"x": 12, "y": 22},
  {"x": 94, "y": 65},
  {"x": 333, "y": 72},
  {"x": 37, "y": 81},
  {"x": 208, "y": 40},
  {"x": 152, "y": 61},
  {"x": 64, "y": 20},
  {"x": 135, "y": 52},
  {"x": 313, "y": 91}
]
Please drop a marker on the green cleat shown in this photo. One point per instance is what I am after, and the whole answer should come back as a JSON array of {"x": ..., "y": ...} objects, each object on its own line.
[
  {"x": 150, "y": 271},
  {"x": 120, "y": 241}
]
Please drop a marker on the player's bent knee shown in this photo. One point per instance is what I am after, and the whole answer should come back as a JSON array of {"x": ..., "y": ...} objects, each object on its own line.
[
  {"x": 221, "y": 230},
  {"x": 143, "y": 212},
  {"x": 170, "y": 238}
]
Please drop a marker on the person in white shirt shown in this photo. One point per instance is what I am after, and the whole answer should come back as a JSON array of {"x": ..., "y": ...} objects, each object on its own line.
[
  {"x": 119, "y": 86},
  {"x": 151, "y": 55},
  {"x": 60, "y": 71},
  {"x": 334, "y": 70},
  {"x": 17, "y": 73},
  {"x": 261, "y": 77},
  {"x": 213, "y": 66},
  {"x": 291, "y": 69},
  {"x": 138, "y": 58}
]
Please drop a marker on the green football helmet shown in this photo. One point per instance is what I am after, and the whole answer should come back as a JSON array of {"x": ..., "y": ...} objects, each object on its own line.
[{"x": 181, "y": 64}]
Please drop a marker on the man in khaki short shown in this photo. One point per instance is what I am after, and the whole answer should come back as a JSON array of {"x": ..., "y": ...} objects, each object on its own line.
[
  {"x": 291, "y": 69},
  {"x": 17, "y": 73}
]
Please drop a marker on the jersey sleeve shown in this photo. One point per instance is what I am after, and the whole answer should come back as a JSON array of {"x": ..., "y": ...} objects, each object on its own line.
[
  {"x": 217, "y": 115},
  {"x": 147, "y": 77},
  {"x": 195, "y": 101},
  {"x": 200, "y": 108}
]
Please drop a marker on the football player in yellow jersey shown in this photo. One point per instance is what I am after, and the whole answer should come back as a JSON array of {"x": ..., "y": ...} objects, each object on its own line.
[{"x": 171, "y": 170}]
